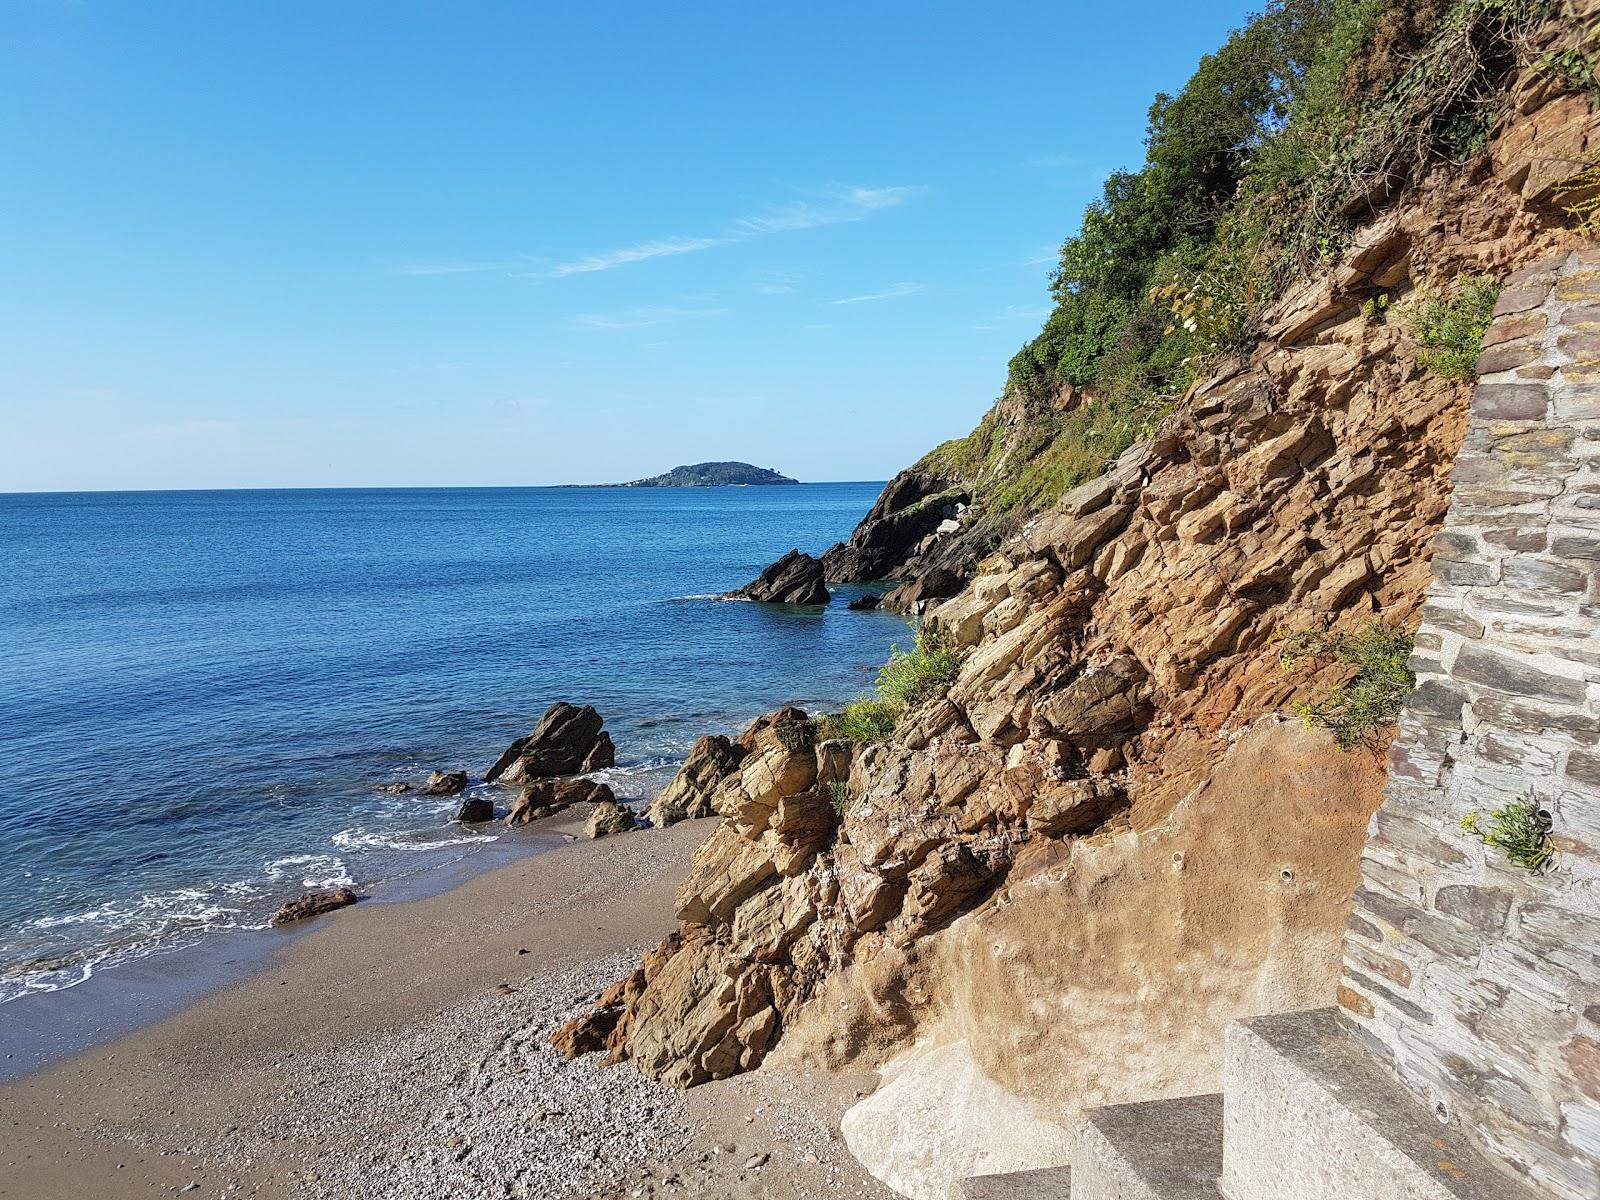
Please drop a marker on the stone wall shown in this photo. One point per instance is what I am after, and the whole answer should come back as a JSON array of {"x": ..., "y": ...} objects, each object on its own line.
[{"x": 1479, "y": 979}]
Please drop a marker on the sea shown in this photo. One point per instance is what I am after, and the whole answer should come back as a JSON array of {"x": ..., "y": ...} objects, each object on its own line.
[{"x": 201, "y": 692}]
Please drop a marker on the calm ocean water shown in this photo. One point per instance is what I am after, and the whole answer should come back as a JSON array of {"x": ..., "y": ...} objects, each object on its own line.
[{"x": 199, "y": 690}]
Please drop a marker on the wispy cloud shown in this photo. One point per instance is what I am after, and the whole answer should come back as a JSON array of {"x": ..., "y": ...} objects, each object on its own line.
[
  {"x": 893, "y": 292},
  {"x": 829, "y": 206},
  {"x": 612, "y": 259},
  {"x": 645, "y": 316}
]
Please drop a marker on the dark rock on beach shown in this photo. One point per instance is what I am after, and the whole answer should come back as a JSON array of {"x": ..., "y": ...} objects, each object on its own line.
[
  {"x": 314, "y": 904},
  {"x": 567, "y": 741},
  {"x": 475, "y": 810},
  {"x": 546, "y": 797},
  {"x": 795, "y": 578},
  {"x": 445, "y": 783}
]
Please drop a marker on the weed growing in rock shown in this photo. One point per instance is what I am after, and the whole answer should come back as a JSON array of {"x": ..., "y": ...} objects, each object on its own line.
[
  {"x": 1451, "y": 330},
  {"x": 927, "y": 669},
  {"x": 1519, "y": 831},
  {"x": 839, "y": 793},
  {"x": 1376, "y": 692}
]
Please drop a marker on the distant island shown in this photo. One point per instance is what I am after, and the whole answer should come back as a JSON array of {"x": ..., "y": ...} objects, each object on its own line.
[{"x": 713, "y": 474}]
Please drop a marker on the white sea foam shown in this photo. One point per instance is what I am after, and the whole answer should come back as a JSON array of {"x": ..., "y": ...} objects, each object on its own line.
[
  {"x": 315, "y": 870},
  {"x": 370, "y": 839}
]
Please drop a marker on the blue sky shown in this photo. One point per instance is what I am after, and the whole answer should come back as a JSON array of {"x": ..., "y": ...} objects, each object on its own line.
[{"x": 337, "y": 243}]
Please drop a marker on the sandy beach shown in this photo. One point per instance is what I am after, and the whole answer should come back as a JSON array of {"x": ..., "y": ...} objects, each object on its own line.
[{"x": 400, "y": 1049}]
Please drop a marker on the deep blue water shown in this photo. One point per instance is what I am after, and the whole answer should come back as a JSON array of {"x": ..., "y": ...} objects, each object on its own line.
[{"x": 199, "y": 690}]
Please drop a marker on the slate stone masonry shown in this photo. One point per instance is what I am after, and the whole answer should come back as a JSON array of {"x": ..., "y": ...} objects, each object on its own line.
[{"x": 1478, "y": 980}]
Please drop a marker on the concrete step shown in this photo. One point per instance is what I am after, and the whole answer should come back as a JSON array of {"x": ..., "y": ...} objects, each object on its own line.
[
  {"x": 1310, "y": 1114},
  {"x": 1156, "y": 1150},
  {"x": 1049, "y": 1183}
]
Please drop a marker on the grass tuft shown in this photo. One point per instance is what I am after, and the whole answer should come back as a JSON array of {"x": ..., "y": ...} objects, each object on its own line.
[
  {"x": 1373, "y": 697},
  {"x": 1451, "y": 330}
]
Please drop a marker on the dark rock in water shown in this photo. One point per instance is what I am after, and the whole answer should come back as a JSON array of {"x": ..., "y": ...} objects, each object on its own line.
[
  {"x": 913, "y": 596},
  {"x": 314, "y": 904},
  {"x": 711, "y": 760},
  {"x": 567, "y": 741},
  {"x": 778, "y": 716},
  {"x": 475, "y": 810},
  {"x": 546, "y": 797},
  {"x": 398, "y": 788},
  {"x": 610, "y": 818},
  {"x": 914, "y": 504},
  {"x": 795, "y": 578},
  {"x": 865, "y": 603},
  {"x": 445, "y": 783}
]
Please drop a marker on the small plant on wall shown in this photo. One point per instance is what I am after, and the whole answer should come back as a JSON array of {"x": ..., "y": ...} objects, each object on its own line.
[
  {"x": 1375, "y": 693},
  {"x": 1520, "y": 830}
]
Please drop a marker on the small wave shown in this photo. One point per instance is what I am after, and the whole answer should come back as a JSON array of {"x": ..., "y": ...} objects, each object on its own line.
[
  {"x": 695, "y": 596},
  {"x": 316, "y": 870},
  {"x": 367, "y": 839}
]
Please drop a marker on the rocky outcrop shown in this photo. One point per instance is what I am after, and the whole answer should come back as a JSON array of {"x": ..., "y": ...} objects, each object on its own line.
[
  {"x": 910, "y": 509},
  {"x": 608, "y": 818},
  {"x": 1105, "y": 842},
  {"x": 546, "y": 797},
  {"x": 445, "y": 783},
  {"x": 475, "y": 810},
  {"x": 795, "y": 578},
  {"x": 314, "y": 904},
  {"x": 690, "y": 794},
  {"x": 567, "y": 741}
]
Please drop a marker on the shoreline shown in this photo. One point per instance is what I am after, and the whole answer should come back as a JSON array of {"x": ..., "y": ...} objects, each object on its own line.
[{"x": 364, "y": 1056}]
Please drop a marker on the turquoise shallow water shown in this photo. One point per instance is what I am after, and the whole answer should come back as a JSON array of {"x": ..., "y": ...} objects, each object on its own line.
[{"x": 199, "y": 690}]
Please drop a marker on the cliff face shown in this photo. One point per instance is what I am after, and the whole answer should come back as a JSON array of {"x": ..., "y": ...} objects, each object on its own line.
[{"x": 1107, "y": 841}]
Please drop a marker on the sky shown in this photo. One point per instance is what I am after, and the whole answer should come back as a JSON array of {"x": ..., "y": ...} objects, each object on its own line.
[{"x": 339, "y": 243}]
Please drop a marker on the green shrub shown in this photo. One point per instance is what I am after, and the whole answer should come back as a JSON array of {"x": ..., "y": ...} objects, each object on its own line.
[
  {"x": 1451, "y": 330},
  {"x": 1374, "y": 695},
  {"x": 927, "y": 669},
  {"x": 911, "y": 675},
  {"x": 863, "y": 721},
  {"x": 1517, "y": 831}
]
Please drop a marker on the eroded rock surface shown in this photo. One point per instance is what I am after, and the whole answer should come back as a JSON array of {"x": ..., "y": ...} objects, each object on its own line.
[
  {"x": 314, "y": 904},
  {"x": 690, "y": 794}
]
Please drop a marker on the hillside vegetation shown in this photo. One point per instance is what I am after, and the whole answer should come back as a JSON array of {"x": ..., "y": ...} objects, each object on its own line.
[{"x": 1256, "y": 173}]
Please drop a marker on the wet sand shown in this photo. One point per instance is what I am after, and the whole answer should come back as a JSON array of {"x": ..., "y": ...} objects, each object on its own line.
[{"x": 399, "y": 1049}]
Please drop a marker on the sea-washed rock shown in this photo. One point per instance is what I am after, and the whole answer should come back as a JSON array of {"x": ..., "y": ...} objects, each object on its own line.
[
  {"x": 711, "y": 760},
  {"x": 795, "y": 578},
  {"x": 314, "y": 904},
  {"x": 546, "y": 797},
  {"x": 475, "y": 810},
  {"x": 567, "y": 741},
  {"x": 398, "y": 787},
  {"x": 445, "y": 783},
  {"x": 609, "y": 818},
  {"x": 865, "y": 603}
]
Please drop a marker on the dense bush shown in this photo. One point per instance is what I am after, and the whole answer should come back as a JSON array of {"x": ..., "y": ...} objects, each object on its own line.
[{"x": 1254, "y": 174}]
